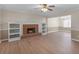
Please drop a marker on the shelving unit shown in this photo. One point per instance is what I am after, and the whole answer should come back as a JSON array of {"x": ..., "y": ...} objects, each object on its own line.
[
  {"x": 13, "y": 32},
  {"x": 44, "y": 29}
]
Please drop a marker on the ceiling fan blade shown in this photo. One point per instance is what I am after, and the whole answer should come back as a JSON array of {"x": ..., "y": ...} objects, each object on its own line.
[
  {"x": 50, "y": 9},
  {"x": 51, "y": 6}
]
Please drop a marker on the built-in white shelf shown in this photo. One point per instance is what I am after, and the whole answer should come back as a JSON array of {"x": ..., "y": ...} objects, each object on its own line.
[
  {"x": 44, "y": 28},
  {"x": 13, "y": 32}
]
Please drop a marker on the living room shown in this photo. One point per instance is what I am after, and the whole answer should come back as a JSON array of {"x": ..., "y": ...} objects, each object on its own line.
[{"x": 25, "y": 28}]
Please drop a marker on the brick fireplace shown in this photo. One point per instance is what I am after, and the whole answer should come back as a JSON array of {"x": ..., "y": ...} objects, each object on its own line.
[{"x": 30, "y": 29}]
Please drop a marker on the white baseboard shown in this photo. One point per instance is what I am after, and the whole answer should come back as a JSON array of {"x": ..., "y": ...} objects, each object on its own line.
[
  {"x": 0, "y": 41},
  {"x": 77, "y": 40},
  {"x": 52, "y": 31},
  {"x": 3, "y": 40},
  {"x": 44, "y": 33},
  {"x": 10, "y": 40},
  {"x": 14, "y": 39},
  {"x": 49, "y": 32}
]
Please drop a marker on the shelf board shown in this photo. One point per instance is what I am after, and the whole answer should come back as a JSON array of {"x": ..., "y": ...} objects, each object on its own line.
[
  {"x": 14, "y": 33},
  {"x": 14, "y": 28}
]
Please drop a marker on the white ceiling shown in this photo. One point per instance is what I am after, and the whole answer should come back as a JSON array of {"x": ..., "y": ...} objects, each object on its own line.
[{"x": 32, "y": 8}]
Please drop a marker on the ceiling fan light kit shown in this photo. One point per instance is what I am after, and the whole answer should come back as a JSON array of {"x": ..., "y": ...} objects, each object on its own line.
[{"x": 46, "y": 8}]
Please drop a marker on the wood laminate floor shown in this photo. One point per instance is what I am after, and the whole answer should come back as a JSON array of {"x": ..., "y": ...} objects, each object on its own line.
[{"x": 57, "y": 42}]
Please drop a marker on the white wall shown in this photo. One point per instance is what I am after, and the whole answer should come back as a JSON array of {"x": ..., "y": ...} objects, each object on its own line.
[
  {"x": 53, "y": 22},
  {"x": 75, "y": 26},
  {"x": 0, "y": 19},
  {"x": 75, "y": 21},
  {"x": 22, "y": 18}
]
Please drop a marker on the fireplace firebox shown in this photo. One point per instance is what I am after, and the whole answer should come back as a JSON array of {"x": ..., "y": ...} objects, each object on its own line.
[{"x": 31, "y": 30}]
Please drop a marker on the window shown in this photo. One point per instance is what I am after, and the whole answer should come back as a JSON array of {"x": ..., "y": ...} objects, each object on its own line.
[{"x": 66, "y": 21}]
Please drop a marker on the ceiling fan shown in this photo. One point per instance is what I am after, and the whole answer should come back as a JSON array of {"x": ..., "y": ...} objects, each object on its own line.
[{"x": 46, "y": 7}]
